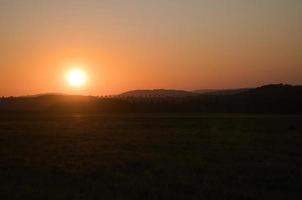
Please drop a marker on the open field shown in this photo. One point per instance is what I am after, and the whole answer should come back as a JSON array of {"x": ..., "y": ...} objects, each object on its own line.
[{"x": 150, "y": 156}]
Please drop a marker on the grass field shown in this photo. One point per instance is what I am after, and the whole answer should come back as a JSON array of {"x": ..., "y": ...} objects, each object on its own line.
[{"x": 150, "y": 156}]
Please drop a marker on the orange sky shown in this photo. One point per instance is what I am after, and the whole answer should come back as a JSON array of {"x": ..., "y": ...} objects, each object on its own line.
[{"x": 140, "y": 44}]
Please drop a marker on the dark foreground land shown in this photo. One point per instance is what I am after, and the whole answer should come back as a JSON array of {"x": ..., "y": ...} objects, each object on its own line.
[{"x": 150, "y": 156}]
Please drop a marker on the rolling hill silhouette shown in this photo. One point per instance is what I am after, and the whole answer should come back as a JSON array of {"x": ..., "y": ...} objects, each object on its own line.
[
  {"x": 157, "y": 93},
  {"x": 221, "y": 91},
  {"x": 274, "y": 98},
  {"x": 180, "y": 93}
]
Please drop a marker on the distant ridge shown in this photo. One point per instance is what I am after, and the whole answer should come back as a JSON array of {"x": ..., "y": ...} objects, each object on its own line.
[
  {"x": 270, "y": 89},
  {"x": 273, "y": 98},
  {"x": 221, "y": 91},
  {"x": 45, "y": 94},
  {"x": 180, "y": 93},
  {"x": 157, "y": 93},
  {"x": 276, "y": 90}
]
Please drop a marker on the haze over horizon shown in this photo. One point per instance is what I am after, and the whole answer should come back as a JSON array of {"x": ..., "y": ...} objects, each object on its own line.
[{"x": 140, "y": 44}]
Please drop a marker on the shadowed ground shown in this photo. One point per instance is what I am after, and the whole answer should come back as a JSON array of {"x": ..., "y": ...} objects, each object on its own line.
[{"x": 149, "y": 156}]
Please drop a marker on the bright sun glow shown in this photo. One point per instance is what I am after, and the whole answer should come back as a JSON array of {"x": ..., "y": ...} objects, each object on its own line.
[{"x": 76, "y": 77}]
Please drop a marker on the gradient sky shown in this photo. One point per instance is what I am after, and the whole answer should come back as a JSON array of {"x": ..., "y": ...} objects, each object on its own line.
[{"x": 142, "y": 44}]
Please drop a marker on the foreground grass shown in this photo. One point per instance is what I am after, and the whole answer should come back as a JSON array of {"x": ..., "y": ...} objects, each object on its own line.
[{"x": 150, "y": 157}]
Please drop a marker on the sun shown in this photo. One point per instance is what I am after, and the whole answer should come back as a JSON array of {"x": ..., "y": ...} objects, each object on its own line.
[{"x": 76, "y": 77}]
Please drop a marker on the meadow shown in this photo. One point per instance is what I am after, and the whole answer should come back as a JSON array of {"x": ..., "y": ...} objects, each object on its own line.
[{"x": 150, "y": 156}]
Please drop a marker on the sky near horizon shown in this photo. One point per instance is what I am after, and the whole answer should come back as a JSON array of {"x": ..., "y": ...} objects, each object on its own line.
[{"x": 141, "y": 44}]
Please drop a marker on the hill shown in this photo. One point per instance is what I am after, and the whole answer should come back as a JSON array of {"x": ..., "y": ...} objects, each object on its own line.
[
  {"x": 157, "y": 93},
  {"x": 282, "y": 90},
  {"x": 221, "y": 92},
  {"x": 275, "y": 98},
  {"x": 47, "y": 102}
]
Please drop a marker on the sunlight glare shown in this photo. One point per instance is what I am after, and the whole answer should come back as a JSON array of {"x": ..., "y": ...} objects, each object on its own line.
[{"x": 76, "y": 77}]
